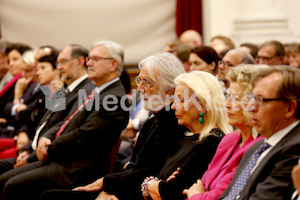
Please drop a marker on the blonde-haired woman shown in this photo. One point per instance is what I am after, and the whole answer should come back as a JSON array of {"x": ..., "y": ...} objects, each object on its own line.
[
  {"x": 199, "y": 105},
  {"x": 233, "y": 146}
]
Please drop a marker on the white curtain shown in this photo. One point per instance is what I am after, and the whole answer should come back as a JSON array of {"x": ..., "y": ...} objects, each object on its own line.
[{"x": 142, "y": 27}]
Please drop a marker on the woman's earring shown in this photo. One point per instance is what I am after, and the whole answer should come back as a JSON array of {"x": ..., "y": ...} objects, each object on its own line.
[{"x": 200, "y": 119}]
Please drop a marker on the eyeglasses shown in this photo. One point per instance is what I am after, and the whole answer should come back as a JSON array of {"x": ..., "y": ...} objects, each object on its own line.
[
  {"x": 64, "y": 61},
  {"x": 264, "y": 57},
  {"x": 258, "y": 100},
  {"x": 225, "y": 64},
  {"x": 96, "y": 58},
  {"x": 146, "y": 83}
]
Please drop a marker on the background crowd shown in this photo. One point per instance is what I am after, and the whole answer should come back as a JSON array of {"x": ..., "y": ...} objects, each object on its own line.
[{"x": 207, "y": 121}]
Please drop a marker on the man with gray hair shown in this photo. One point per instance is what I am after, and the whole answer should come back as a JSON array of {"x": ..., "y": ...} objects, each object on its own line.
[
  {"x": 157, "y": 137},
  {"x": 76, "y": 150},
  {"x": 231, "y": 59}
]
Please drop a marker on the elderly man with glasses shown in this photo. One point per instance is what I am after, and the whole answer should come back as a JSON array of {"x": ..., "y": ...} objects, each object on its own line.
[
  {"x": 157, "y": 137},
  {"x": 231, "y": 59}
]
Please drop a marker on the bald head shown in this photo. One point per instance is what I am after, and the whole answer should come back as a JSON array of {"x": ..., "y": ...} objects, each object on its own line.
[{"x": 191, "y": 38}]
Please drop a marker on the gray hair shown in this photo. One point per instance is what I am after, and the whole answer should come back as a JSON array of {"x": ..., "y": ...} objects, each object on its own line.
[
  {"x": 246, "y": 58},
  {"x": 168, "y": 65},
  {"x": 115, "y": 50}
]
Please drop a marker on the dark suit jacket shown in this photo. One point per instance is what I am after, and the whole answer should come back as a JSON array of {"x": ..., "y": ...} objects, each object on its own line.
[
  {"x": 52, "y": 118},
  {"x": 157, "y": 137},
  {"x": 272, "y": 178},
  {"x": 81, "y": 152}
]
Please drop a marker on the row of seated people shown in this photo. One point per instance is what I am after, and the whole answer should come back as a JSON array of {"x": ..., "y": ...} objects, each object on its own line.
[{"x": 184, "y": 140}]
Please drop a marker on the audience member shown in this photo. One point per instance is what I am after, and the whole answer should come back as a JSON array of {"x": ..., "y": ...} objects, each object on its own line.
[
  {"x": 170, "y": 45},
  {"x": 74, "y": 74},
  {"x": 191, "y": 38},
  {"x": 158, "y": 136},
  {"x": 24, "y": 91},
  {"x": 231, "y": 59},
  {"x": 183, "y": 53},
  {"x": 271, "y": 53},
  {"x": 233, "y": 146},
  {"x": 221, "y": 44},
  {"x": 202, "y": 112},
  {"x": 250, "y": 48},
  {"x": 4, "y": 69},
  {"x": 46, "y": 75},
  {"x": 293, "y": 54},
  {"x": 21, "y": 110},
  {"x": 204, "y": 58},
  {"x": 265, "y": 169},
  {"x": 80, "y": 149}
]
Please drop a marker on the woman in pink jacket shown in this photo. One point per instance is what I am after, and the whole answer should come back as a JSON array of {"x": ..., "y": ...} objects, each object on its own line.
[{"x": 233, "y": 146}]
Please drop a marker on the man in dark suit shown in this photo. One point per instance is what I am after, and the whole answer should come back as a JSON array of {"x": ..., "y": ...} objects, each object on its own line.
[
  {"x": 275, "y": 115},
  {"x": 158, "y": 136},
  {"x": 75, "y": 77},
  {"x": 72, "y": 152}
]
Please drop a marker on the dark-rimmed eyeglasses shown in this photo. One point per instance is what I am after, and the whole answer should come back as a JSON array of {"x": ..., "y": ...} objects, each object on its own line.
[{"x": 259, "y": 100}]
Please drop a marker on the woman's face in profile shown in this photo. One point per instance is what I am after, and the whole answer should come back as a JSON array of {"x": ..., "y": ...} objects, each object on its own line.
[
  {"x": 198, "y": 64},
  {"x": 186, "y": 106},
  {"x": 234, "y": 104}
]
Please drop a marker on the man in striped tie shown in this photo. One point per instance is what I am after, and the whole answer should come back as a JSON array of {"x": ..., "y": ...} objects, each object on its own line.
[
  {"x": 80, "y": 150},
  {"x": 265, "y": 170}
]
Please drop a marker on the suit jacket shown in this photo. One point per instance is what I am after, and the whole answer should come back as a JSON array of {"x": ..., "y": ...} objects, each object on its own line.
[
  {"x": 272, "y": 177},
  {"x": 223, "y": 165},
  {"x": 51, "y": 118},
  {"x": 157, "y": 137},
  {"x": 81, "y": 152},
  {"x": 31, "y": 98}
]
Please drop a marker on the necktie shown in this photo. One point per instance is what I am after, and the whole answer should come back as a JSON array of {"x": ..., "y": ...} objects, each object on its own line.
[
  {"x": 62, "y": 128},
  {"x": 243, "y": 177}
]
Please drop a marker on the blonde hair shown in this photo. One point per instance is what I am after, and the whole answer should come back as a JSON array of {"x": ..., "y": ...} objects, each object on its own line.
[
  {"x": 243, "y": 75},
  {"x": 208, "y": 90}
]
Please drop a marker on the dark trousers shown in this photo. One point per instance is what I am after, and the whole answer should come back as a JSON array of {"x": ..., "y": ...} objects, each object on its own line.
[
  {"x": 25, "y": 182},
  {"x": 61, "y": 194},
  {"x": 7, "y": 164}
]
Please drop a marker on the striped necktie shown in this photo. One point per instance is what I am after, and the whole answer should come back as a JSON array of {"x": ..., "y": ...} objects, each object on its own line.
[{"x": 62, "y": 128}]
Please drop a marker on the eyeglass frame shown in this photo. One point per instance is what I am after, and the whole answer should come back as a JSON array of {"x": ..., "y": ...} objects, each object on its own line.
[
  {"x": 225, "y": 64},
  {"x": 262, "y": 100},
  {"x": 96, "y": 58},
  {"x": 64, "y": 61},
  {"x": 264, "y": 57},
  {"x": 147, "y": 83}
]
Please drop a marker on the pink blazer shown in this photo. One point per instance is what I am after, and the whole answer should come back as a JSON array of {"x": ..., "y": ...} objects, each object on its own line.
[{"x": 223, "y": 165}]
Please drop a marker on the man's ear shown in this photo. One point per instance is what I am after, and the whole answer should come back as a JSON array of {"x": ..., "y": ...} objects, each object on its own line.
[
  {"x": 291, "y": 109},
  {"x": 81, "y": 61},
  {"x": 115, "y": 65}
]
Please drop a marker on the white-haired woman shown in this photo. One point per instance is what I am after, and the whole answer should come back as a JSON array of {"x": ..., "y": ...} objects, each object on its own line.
[
  {"x": 233, "y": 146},
  {"x": 199, "y": 106}
]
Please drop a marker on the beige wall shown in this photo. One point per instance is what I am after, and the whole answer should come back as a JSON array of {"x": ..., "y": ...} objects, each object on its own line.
[
  {"x": 262, "y": 20},
  {"x": 141, "y": 26}
]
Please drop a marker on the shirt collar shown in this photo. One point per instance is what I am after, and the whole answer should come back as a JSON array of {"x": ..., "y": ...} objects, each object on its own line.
[
  {"x": 275, "y": 138},
  {"x": 105, "y": 85},
  {"x": 75, "y": 83}
]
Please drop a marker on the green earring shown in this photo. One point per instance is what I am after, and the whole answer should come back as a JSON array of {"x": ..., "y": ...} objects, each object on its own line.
[{"x": 200, "y": 119}]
